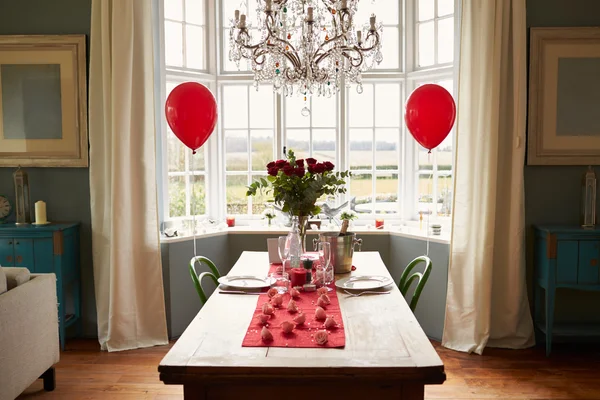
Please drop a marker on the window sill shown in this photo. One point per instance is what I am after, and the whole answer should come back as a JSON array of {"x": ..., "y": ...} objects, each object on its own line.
[{"x": 404, "y": 231}]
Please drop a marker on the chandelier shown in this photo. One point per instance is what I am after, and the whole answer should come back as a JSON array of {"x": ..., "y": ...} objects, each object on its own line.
[{"x": 306, "y": 46}]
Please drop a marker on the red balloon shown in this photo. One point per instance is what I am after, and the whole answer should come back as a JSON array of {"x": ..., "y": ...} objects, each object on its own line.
[
  {"x": 429, "y": 115},
  {"x": 191, "y": 111}
]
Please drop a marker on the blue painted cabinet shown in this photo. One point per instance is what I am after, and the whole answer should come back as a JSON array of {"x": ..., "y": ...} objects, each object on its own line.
[
  {"x": 44, "y": 249},
  {"x": 564, "y": 257}
]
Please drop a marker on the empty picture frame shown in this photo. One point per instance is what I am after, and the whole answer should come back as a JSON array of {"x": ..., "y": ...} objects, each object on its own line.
[
  {"x": 43, "y": 101},
  {"x": 564, "y": 97}
]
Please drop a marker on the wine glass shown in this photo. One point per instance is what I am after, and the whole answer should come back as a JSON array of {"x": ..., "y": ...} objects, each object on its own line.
[
  {"x": 280, "y": 279},
  {"x": 325, "y": 270},
  {"x": 284, "y": 252}
]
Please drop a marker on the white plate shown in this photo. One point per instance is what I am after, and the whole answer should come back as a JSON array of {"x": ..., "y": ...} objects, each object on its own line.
[
  {"x": 245, "y": 281},
  {"x": 363, "y": 282}
]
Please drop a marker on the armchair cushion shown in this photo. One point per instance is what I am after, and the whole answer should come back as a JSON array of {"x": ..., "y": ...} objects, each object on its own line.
[
  {"x": 3, "y": 285},
  {"x": 16, "y": 276}
]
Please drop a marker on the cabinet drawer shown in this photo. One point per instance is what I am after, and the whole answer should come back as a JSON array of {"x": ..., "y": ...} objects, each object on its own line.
[
  {"x": 566, "y": 261},
  {"x": 24, "y": 253},
  {"x": 7, "y": 253},
  {"x": 588, "y": 270}
]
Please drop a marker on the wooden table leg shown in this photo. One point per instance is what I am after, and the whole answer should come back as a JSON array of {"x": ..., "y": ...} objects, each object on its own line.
[
  {"x": 194, "y": 392},
  {"x": 413, "y": 392}
]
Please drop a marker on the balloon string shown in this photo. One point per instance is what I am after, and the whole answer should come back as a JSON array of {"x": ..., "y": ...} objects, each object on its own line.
[
  {"x": 432, "y": 203},
  {"x": 194, "y": 211}
]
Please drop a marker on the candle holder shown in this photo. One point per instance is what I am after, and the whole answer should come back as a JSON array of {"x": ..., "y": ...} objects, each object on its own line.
[
  {"x": 23, "y": 198},
  {"x": 230, "y": 221},
  {"x": 588, "y": 199},
  {"x": 379, "y": 223}
]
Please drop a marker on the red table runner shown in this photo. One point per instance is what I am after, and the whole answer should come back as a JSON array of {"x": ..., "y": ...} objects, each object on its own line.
[{"x": 303, "y": 335}]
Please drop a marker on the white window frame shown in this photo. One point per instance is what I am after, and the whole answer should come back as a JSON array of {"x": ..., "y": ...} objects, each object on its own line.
[{"x": 215, "y": 77}]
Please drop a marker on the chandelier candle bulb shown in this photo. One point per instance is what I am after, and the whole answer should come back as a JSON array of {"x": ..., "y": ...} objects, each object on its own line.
[
  {"x": 344, "y": 5},
  {"x": 310, "y": 15},
  {"x": 40, "y": 212},
  {"x": 237, "y": 15},
  {"x": 268, "y": 5},
  {"x": 243, "y": 21},
  {"x": 359, "y": 37},
  {"x": 372, "y": 20}
]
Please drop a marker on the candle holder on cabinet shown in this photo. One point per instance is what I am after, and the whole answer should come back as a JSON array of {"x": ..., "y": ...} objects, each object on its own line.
[
  {"x": 23, "y": 199},
  {"x": 588, "y": 199}
]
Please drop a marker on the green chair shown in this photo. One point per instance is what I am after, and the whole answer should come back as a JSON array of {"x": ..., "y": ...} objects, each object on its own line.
[
  {"x": 407, "y": 279},
  {"x": 197, "y": 279}
]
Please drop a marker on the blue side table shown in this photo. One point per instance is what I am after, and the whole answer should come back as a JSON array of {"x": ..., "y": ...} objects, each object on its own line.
[
  {"x": 44, "y": 249},
  {"x": 565, "y": 257}
]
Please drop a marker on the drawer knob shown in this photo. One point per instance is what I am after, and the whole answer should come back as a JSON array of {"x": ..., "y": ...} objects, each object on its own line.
[
  {"x": 19, "y": 259},
  {"x": 594, "y": 262},
  {"x": 17, "y": 243},
  {"x": 9, "y": 259},
  {"x": 9, "y": 243}
]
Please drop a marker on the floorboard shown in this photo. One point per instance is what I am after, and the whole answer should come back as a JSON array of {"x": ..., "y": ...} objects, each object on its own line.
[{"x": 572, "y": 372}]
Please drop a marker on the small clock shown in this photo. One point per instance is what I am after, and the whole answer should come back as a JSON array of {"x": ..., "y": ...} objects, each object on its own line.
[{"x": 5, "y": 208}]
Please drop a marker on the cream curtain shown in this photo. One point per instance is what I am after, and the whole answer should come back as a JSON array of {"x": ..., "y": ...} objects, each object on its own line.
[
  {"x": 125, "y": 237},
  {"x": 487, "y": 301}
]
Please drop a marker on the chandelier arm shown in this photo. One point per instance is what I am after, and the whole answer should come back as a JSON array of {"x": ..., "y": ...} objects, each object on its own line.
[
  {"x": 290, "y": 55},
  {"x": 243, "y": 45},
  {"x": 333, "y": 21},
  {"x": 360, "y": 59},
  {"x": 374, "y": 44}
]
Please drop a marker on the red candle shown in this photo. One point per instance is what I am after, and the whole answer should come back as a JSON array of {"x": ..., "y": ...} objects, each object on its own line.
[
  {"x": 231, "y": 222},
  {"x": 297, "y": 276},
  {"x": 379, "y": 223}
]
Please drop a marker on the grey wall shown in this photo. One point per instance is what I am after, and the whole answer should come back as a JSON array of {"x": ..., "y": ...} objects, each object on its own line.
[
  {"x": 552, "y": 192},
  {"x": 65, "y": 190}
]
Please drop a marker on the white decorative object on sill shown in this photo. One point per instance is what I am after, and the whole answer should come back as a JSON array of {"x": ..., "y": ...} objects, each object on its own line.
[{"x": 304, "y": 47}]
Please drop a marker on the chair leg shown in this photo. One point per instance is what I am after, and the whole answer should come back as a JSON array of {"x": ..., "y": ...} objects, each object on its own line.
[{"x": 49, "y": 378}]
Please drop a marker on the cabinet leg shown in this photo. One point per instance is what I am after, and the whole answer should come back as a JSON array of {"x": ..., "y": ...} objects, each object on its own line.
[{"x": 550, "y": 291}]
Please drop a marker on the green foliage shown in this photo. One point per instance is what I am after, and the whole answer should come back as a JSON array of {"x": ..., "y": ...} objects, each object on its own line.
[
  {"x": 348, "y": 215},
  {"x": 295, "y": 194}
]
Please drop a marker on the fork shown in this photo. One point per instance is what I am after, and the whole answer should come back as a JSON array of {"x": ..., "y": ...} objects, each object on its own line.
[{"x": 350, "y": 294}]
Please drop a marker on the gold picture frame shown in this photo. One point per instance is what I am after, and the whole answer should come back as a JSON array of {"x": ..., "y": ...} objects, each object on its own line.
[
  {"x": 564, "y": 97},
  {"x": 43, "y": 101}
]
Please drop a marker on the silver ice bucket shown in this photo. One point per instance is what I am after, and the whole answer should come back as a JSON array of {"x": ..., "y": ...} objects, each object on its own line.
[{"x": 342, "y": 249}]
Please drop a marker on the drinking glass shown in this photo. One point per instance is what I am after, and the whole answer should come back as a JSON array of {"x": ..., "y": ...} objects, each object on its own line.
[
  {"x": 325, "y": 269},
  {"x": 284, "y": 252}
]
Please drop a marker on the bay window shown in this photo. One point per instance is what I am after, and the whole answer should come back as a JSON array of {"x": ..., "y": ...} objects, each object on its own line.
[{"x": 361, "y": 130}]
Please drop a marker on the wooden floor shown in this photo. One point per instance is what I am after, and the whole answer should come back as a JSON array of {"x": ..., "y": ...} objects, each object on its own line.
[{"x": 572, "y": 372}]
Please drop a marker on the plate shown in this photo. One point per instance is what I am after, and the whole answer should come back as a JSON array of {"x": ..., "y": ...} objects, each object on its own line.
[
  {"x": 364, "y": 282},
  {"x": 245, "y": 281}
]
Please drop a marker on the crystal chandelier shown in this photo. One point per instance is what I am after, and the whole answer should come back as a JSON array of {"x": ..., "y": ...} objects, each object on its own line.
[{"x": 306, "y": 46}]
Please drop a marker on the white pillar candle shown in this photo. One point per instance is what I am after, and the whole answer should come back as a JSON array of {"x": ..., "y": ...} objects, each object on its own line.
[
  {"x": 268, "y": 5},
  {"x": 236, "y": 15},
  {"x": 359, "y": 36},
  {"x": 310, "y": 15},
  {"x": 372, "y": 20},
  {"x": 242, "y": 21},
  {"x": 40, "y": 212}
]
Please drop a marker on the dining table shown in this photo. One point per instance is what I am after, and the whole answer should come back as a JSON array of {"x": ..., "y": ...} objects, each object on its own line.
[{"x": 386, "y": 353}]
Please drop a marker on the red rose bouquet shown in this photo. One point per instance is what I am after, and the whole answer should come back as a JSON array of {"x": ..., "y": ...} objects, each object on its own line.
[{"x": 297, "y": 184}]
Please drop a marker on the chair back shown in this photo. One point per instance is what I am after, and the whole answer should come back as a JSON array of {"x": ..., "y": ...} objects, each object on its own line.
[
  {"x": 407, "y": 279},
  {"x": 197, "y": 278}
]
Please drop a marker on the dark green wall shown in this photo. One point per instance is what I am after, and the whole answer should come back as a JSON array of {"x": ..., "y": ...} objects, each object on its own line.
[
  {"x": 65, "y": 190},
  {"x": 552, "y": 192}
]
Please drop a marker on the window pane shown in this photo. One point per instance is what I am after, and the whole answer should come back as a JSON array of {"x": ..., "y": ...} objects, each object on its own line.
[
  {"x": 361, "y": 148},
  {"x": 425, "y": 193},
  {"x": 231, "y": 66},
  {"x": 444, "y": 204},
  {"x": 298, "y": 141},
  {"x": 387, "y": 105},
  {"x": 445, "y": 7},
  {"x": 361, "y": 107},
  {"x": 237, "y": 202},
  {"x": 197, "y": 160},
  {"x": 174, "y": 9},
  {"x": 173, "y": 44},
  {"x": 361, "y": 188},
  {"x": 323, "y": 111},
  {"x": 175, "y": 153},
  {"x": 197, "y": 195},
  {"x": 425, "y": 159},
  {"x": 445, "y": 40},
  {"x": 426, "y": 44},
  {"x": 293, "y": 112},
  {"x": 324, "y": 145},
  {"x": 262, "y": 149},
  {"x": 235, "y": 106},
  {"x": 386, "y": 186},
  {"x": 194, "y": 11},
  {"x": 261, "y": 107},
  {"x": 194, "y": 47},
  {"x": 259, "y": 202},
  {"x": 236, "y": 151},
  {"x": 426, "y": 10},
  {"x": 387, "y": 149},
  {"x": 390, "y": 48},
  {"x": 176, "y": 196}
]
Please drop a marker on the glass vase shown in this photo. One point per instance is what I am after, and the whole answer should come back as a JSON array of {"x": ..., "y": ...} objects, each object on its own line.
[{"x": 293, "y": 243}]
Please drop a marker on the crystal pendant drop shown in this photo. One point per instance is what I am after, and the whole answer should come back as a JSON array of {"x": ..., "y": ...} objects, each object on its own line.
[{"x": 305, "y": 111}]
